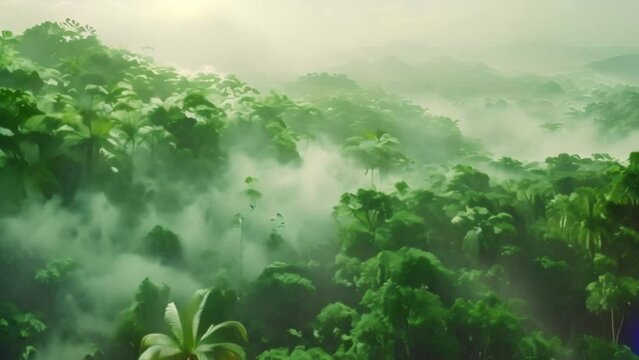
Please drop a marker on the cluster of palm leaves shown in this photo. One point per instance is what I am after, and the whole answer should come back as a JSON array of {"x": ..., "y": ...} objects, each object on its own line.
[{"x": 187, "y": 342}]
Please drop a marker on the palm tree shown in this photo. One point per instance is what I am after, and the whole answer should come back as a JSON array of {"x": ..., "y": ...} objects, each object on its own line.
[
  {"x": 132, "y": 127},
  {"x": 184, "y": 344},
  {"x": 580, "y": 218},
  {"x": 625, "y": 187},
  {"x": 376, "y": 151}
]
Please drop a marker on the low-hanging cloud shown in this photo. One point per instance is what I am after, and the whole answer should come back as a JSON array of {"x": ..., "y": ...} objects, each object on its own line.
[{"x": 260, "y": 36}]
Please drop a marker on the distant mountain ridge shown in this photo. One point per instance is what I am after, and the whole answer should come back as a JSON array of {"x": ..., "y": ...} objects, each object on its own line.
[
  {"x": 623, "y": 66},
  {"x": 446, "y": 75}
]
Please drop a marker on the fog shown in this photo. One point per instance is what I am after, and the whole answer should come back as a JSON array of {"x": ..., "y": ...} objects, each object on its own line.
[
  {"x": 276, "y": 37},
  {"x": 271, "y": 43},
  {"x": 99, "y": 237},
  {"x": 351, "y": 95},
  {"x": 513, "y": 131}
]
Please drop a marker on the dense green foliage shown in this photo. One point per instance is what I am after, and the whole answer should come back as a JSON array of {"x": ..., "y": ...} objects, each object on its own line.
[{"x": 439, "y": 252}]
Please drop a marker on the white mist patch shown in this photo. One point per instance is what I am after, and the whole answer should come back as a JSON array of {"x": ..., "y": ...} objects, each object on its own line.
[
  {"x": 50, "y": 230},
  {"x": 106, "y": 245},
  {"x": 58, "y": 349},
  {"x": 314, "y": 185},
  {"x": 301, "y": 193},
  {"x": 107, "y": 275},
  {"x": 514, "y": 132},
  {"x": 114, "y": 286}
]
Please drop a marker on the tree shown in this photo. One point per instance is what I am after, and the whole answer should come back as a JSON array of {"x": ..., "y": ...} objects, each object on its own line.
[
  {"x": 378, "y": 151},
  {"x": 238, "y": 223},
  {"x": 299, "y": 353},
  {"x": 468, "y": 179},
  {"x": 594, "y": 348},
  {"x": 18, "y": 330},
  {"x": 334, "y": 324},
  {"x": 91, "y": 133},
  {"x": 402, "y": 323},
  {"x": 614, "y": 295},
  {"x": 625, "y": 189},
  {"x": 142, "y": 317},
  {"x": 253, "y": 195},
  {"x": 251, "y": 191},
  {"x": 293, "y": 301},
  {"x": 486, "y": 328},
  {"x": 361, "y": 215},
  {"x": 487, "y": 232},
  {"x": 131, "y": 127},
  {"x": 163, "y": 244},
  {"x": 186, "y": 342},
  {"x": 406, "y": 267},
  {"x": 580, "y": 218}
]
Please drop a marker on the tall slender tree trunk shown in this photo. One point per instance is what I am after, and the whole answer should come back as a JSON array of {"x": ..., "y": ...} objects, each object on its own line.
[
  {"x": 241, "y": 255},
  {"x": 89, "y": 159},
  {"x": 372, "y": 184},
  {"x": 612, "y": 325},
  {"x": 89, "y": 154},
  {"x": 616, "y": 328}
]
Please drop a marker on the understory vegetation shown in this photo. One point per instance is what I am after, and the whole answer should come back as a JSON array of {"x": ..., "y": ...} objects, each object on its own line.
[{"x": 329, "y": 220}]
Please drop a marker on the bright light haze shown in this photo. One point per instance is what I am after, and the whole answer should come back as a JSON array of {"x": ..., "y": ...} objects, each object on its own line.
[{"x": 301, "y": 35}]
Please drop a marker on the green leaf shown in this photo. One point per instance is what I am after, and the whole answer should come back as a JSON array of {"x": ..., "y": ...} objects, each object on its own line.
[
  {"x": 5, "y": 132},
  {"x": 226, "y": 351},
  {"x": 236, "y": 326},
  {"x": 192, "y": 315},
  {"x": 604, "y": 264},
  {"x": 157, "y": 339},
  {"x": 472, "y": 241},
  {"x": 296, "y": 333},
  {"x": 157, "y": 352},
  {"x": 96, "y": 90},
  {"x": 172, "y": 318}
]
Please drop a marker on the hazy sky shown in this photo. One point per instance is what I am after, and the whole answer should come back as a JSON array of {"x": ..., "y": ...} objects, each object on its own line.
[{"x": 265, "y": 34}]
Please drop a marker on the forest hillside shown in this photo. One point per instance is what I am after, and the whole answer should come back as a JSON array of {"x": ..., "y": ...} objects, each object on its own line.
[{"x": 329, "y": 218}]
